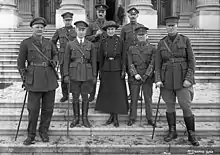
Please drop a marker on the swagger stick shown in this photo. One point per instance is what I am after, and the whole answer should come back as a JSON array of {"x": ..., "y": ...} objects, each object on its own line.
[
  {"x": 155, "y": 121},
  {"x": 68, "y": 112},
  {"x": 22, "y": 110}
]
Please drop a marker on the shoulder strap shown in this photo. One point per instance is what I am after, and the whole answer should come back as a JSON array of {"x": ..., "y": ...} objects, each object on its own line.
[{"x": 167, "y": 46}]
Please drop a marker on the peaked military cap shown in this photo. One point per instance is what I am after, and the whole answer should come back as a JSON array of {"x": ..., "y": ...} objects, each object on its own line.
[
  {"x": 141, "y": 30},
  {"x": 109, "y": 24},
  {"x": 38, "y": 20},
  {"x": 172, "y": 20},
  {"x": 101, "y": 7},
  {"x": 67, "y": 15},
  {"x": 81, "y": 24},
  {"x": 133, "y": 10}
]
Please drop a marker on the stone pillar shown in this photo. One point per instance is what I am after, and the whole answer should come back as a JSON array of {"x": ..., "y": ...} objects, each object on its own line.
[
  {"x": 25, "y": 10},
  {"x": 74, "y": 6},
  {"x": 147, "y": 15},
  {"x": 9, "y": 16},
  {"x": 207, "y": 14}
]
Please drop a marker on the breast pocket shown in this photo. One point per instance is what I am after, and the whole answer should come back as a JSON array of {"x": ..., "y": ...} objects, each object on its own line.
[
  {"x": 87, "y": 52},
  {"x": 181, "y": 49}
]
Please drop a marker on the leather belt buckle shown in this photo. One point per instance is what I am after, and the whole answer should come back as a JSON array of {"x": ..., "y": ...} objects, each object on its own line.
[{"x": 44, "y": 64}]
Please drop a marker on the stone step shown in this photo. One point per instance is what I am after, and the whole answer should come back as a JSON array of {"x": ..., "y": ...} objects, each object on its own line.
[
  {"x": 108, "y": 145},
  {"x": 208, "y": 62},
  {"x": 9, "y": 70},
  {"x": 202, "y": 57},
  {"x": 207, "y": 67},
  {"x": 201, "y": 115},
  {"x": 209, "y": 105},
  {"x": 203, "y": 129}
]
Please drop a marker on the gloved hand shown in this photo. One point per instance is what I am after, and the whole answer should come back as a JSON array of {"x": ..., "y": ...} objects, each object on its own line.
[
  {"x": 23, "y": 86},
  {"x": 66, "y": 79},
  {"x": 137, "y": 77},
  {"x": 122, "y": 74},
  {"x": 144, "y": 78},
  {"x": 187, "y": 83},
  {"x": 159, "y": 84},
  {"x": 54, "y": 63}
]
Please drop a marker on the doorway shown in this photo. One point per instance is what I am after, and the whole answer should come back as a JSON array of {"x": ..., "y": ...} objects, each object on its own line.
[
  {"x": 48, "y": 10},
  {"x": 110, "y": 13}
]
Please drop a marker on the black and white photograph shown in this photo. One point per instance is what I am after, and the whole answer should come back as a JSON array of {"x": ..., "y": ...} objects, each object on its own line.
[{"x": 109, "y": 77}]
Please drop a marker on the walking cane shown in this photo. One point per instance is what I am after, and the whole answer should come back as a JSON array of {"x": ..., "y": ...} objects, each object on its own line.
[
  {"x": 68, "y": 112},
  {"x": 155, "y": 121},
  {"x": 141, "y": 104},
  {"x": 22, "y": 110}
]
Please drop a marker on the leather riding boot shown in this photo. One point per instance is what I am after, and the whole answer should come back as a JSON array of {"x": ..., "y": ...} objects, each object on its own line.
[
  {"x": 115, "y": 120},
  {"x": 171, "y": 119},
  {"x": 110, "y": 119},
  {"x": 190, "y": 125},
  {"x": 85, "y": 108},
  {"x": 76, "y": 113},
  {"x": 92, "y": 94}
]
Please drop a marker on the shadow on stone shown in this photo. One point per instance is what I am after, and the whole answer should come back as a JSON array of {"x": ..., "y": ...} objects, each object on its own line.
[{"x": 5, "y": 85}]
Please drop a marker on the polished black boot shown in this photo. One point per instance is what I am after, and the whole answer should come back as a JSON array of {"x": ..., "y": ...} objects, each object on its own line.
[
  {"x": 171, "y": 119},
  {"x": 110, "y": 119},
  {"x": 115, "y": 120},
  {"x": 29, "y": 141},
  {"x": 190, "y": 125},
  {"x": 85, "y": 108},
  {"x": 76, "y": 113}
]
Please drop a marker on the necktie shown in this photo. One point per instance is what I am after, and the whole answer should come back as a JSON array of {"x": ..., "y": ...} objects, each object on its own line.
[{"x": 80, "y": 42}]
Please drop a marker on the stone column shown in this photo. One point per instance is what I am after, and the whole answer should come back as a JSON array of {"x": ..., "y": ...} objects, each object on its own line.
[
  {"x": 9, "y": 16},
  {"x": 25, "y": 10},
  {"x": 147, "y": 15},
  {"x": 74, "y": 6},
  {"x": 207, "y": 14}
]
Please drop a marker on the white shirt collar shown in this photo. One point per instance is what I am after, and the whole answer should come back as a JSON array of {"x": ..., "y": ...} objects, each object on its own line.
[{"x": 78, "y": 39}]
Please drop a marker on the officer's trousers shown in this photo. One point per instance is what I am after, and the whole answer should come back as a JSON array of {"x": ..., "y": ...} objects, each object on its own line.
[
  {"x": 147, "y": 92},
  {"x": 64, "y": 85},
  {"x": 184, "y": 97},
  {"x": 33, "y": 106},
  {"x": 95, "y": 84}
]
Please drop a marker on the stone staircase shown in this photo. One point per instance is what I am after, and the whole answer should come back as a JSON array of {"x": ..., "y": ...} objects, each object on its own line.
[
  {"x": 108, "y": 140},
  {"x": 206, "y": 45}
]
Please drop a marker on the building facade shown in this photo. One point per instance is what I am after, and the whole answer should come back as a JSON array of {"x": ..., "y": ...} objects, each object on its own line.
[{"x": 203, "y": 14}]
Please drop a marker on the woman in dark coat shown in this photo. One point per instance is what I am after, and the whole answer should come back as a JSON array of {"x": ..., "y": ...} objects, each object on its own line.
[{"x": 112, "y": 96}]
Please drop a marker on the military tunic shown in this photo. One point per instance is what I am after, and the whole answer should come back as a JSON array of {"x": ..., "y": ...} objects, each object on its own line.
[
  {"x": 40, "y": 81},
  {"x": 141, "y": 60},
  {"x": 64, "y": 35},
  {"x": 112, "y": 96},
  {"x": 80, "y": 65},
  {"x": 128, "y": 34},
  {"x": 172, "y": 67},
  {"x": 39, "y": 76}
]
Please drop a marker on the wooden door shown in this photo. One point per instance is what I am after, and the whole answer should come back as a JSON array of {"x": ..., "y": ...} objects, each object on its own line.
[{"x": 48, "y": 10}]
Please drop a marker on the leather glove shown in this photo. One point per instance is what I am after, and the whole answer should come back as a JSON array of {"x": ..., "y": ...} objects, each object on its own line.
[
  {"x": 145, "y": 78},
  {"x": 23, "y": 85},
  {"x": 54, "y": 63},
  {"x": 159, "y": 84},
  {"x": 137, "y": 77},
  {"x": 187, "y": 83},
  {"x": 122, "y": 74},
  {"x": 66, "y": 79}
]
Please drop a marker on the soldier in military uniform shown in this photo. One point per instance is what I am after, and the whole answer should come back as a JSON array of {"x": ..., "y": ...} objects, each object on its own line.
[
  {"x": 64, "y": 34},
  {"x": 39, "y": 78},
  {"x": 141, "y": 59},
  {"x": 174, "y": 74},
  {"x": 80, "y": 70},
  {"x": 128, "y": 33},
  {"x": 95, "y": 34}
]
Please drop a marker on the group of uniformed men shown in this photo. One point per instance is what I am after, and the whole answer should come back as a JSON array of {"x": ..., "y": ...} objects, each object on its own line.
[{"x": 171, "y": 66}]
